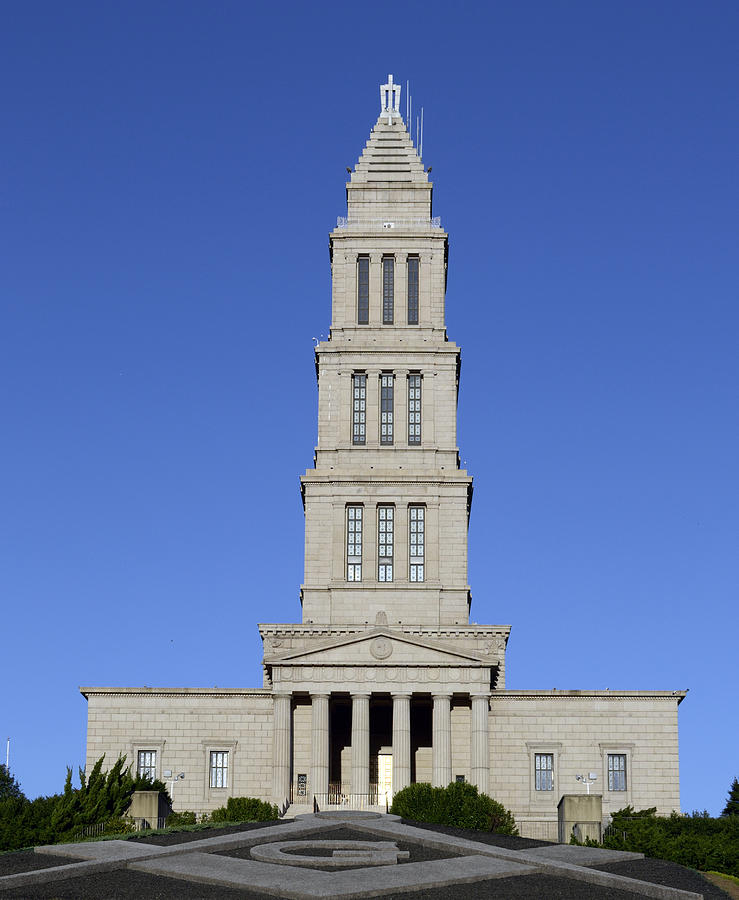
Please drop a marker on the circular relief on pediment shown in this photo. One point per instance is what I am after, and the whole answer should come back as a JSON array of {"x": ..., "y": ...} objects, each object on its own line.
[
  {"x": 307, "y": 673},
  {"x": 381, "y": 648},
  {"x": 454, "y": 674},
  {"x": 433, "y": 674}
]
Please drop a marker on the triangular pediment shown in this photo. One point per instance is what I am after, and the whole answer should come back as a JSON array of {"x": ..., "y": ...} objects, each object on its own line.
[{"x": 379, "y": 646}]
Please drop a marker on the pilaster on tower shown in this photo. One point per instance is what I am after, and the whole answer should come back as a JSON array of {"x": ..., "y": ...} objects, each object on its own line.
[{"x": 386, "y": 505}]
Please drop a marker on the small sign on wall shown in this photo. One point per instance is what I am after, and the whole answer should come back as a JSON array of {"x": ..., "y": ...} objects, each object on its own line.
[{"x": 302, "y": 785}]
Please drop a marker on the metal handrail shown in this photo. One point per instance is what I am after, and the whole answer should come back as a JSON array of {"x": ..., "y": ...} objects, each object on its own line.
[
  {"x": 350, "y": 800},
  {"x": 346, "y": 222}
]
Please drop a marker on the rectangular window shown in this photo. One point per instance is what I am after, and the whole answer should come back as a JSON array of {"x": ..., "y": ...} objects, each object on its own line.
[
  {"x": 387, "y": 397},
  {"x": 385, "y": 542},
  {"x": 219, "y": 768},
  {"x": 354, "y": 543},
  {"x": 363, "y": 290},
  {"x": 147, "y": 763},
  {"x": 359, "y": 408},
  {"x": 388, "y": 289},
  {"x": 416, "y": 541},
  {"x": 616, "y": 771},
  {"x": 544, "y": 771},
  {"x": 414, "y": 409},
  {"x": 413, "y": 264}
]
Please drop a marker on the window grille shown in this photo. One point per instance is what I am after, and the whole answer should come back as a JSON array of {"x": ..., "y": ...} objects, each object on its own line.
[
  {"x": 354, "y": 543},
  {"x": 388, "y": 289},
  {"x": 413, "y": 265},
  {"x": 387, "y": 397},
  {"x": 414, "y": 409},
  {"x": 385, "y": 542},
  {"x": 616, "y": 771},
  {"x": 219, "y": 768},
  {"x": 363, "y": 290},
  {"x": 359, "y": 409},
  {"x": 544, "y": 771},
  {"x": 416, "y": 542},
  {"x": 147, "y": 763}
]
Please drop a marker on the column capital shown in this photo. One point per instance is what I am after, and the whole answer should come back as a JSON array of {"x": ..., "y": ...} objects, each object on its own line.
[
  {"x": 442, "y": 695},
  {"x": 359, "y": 695},
  {"x": 282, "y": 695},
  {"x": 401, "y": 695},
  {"x": 480, "y": 695},
  {"x": 320, "y": 695}
]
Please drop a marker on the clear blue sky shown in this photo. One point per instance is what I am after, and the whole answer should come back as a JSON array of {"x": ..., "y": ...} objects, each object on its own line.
[{"x": 169, "y": 174}]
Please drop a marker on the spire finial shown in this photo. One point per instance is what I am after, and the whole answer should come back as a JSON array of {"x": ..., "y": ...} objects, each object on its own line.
[{"x": 390, "y": 99}]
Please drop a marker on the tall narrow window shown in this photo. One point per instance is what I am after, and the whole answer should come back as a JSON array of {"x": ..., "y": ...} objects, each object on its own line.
[
  {"x": 417, "y": 542},
  {"x": 363, "y": 290},
  {"x": 388, "y": 289},
  {"x": 219, "y": 768},
  {"x": 616, "y": 771},
  {"x": 544, "y": 771},
  {"x": 359, "y": 408},
  {"x": 385, "y": 542},
  {"x": 354, "y": 543},
  {"x": 413, "y": 262},
  {"x": 414, "y": 409},
  {"x": 387, "y": 398},
  {"x": 147, "y": 763}
]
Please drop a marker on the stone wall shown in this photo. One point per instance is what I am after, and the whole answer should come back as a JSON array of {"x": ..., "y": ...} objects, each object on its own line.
[
  {"x": 580, "y": 729},
  {"x": 183, "y": 726}
]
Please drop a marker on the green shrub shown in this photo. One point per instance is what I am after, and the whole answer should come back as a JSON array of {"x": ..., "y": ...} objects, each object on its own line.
[
  {"x": 175, "y": 819},
  {"x": 459, "y": 805},
  {"x": 119, "y": 825},
  {"x": 245, "y": 809},
  {"x": 697, "y": 840}
]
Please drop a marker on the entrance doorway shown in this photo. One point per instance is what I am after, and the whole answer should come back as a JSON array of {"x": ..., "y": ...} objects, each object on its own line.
[{"x": 384, "y": 777}]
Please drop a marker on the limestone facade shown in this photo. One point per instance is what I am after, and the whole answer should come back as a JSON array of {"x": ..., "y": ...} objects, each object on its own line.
[{"x": 385, "y": 681}]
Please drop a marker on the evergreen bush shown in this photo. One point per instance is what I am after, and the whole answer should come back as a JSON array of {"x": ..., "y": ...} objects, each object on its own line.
[
  {"x": 176, "y": 819},
  {"x": 245, "y": 809},
  {"x": 459, "y": 805},
  {"x": 697, "y": 841}
]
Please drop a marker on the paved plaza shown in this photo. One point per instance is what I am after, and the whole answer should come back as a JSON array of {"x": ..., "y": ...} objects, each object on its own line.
[{"x": 342, "y": 855}]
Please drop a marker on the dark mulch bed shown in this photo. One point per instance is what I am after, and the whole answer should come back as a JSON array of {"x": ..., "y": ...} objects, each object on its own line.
[
  {"x": 184, "y": 837},
  {"x": 418, "y": 853},
  {"x": 483, "y": 837},
  {"x": 27, "y": 861},
  {"x": 524, "y": 887},
  {"x": 127, "y": 885},
  {"x": 671, "y": 874}
]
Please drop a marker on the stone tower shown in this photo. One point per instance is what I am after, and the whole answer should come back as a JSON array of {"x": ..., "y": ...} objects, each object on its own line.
[
  {"x": 384, "y": 681},
  {"x": 385, "y": 635}
]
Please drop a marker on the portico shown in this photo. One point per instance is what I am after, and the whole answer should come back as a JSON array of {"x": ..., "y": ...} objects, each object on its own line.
[
  {"x": 376, "y": 711},
  {"x": 389, "y": 745}
]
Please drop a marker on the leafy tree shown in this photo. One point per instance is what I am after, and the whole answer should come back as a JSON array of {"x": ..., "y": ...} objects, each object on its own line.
[
  {"x": 732, "y": 804},
  {"x": 9, "y": 787}
]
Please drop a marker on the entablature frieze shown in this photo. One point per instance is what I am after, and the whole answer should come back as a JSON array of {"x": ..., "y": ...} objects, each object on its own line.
[{"x": 382, "y": 679}]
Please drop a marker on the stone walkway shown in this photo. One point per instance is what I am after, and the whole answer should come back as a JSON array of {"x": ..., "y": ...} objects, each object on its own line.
[{"x": 300, "y": 860}]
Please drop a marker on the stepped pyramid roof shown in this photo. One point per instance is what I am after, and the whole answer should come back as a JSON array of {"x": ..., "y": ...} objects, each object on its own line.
[{"x": 389, "y": 155}]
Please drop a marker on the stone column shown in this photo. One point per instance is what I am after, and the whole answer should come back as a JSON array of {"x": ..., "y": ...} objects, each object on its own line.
[
  {"x": 360, "y": 743},
  {"x": 281, "y": 753},
  {"x": 441, "y": 752},
  {"x": 319, "y": 745},
  {"x": 401, "y": 741},
  {"x": 479, "y": 746}
]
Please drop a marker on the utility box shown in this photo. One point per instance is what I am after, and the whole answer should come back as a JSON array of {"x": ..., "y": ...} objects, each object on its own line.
[
  {"x": 580, "y": 815},
  {"x": 149, "y": 808}
]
